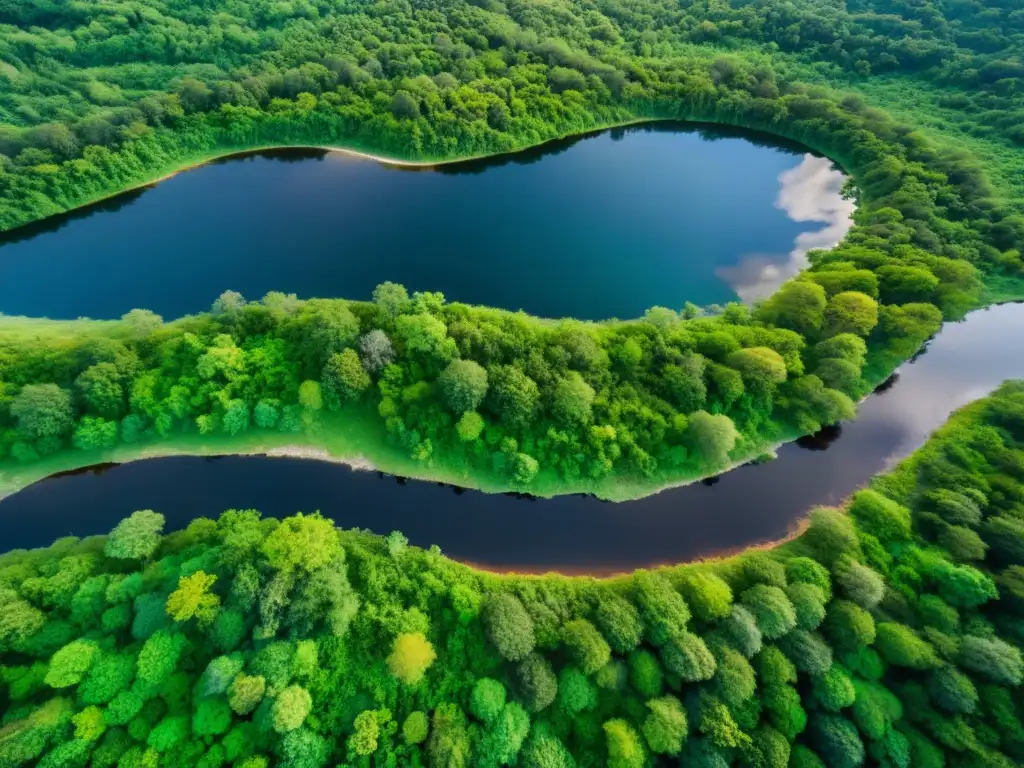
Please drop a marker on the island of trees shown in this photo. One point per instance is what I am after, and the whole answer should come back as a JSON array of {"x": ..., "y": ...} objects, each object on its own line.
[{"x": 888, "y": 634}]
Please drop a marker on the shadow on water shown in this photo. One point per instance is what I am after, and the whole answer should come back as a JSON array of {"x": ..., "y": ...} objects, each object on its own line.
[{"x": 576, "y": 534}]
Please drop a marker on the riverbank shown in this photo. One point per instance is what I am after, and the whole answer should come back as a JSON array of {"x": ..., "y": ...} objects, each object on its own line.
[{"x": 354, "y": 438}]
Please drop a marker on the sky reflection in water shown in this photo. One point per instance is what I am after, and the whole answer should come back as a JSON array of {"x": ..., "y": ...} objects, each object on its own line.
[{"x": 810, "y": 192}]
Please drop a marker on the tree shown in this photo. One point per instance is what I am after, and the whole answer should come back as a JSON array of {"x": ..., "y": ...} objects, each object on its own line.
[
  {"x": 848, "y": 626},
  {"x": 69, "y": 665},
  {"x": 686, "y": 655},
  {"x": 664, "y": 612},
  {"x": 512, "y": 396},
  {"x": 404, "y": 106},
  {"x": 851, "y": 312},
  {"x": 833, "y": 690},
  {"x": 219, "y": 674},
  {"x": 415, "y": 728},
  {"x": 900, "y": 645},
  {"x": 798, "y": 305},
  {"x": 992, "y": 658},
  {"x": 619, "y": 622},
  {"x": 585, "y": 645},
  {"x": 246, "y": 692},
  {"x": 93, "y": 434},
  {"x": 487, "y": 700},
  {"x": 470, "y": 426},
  {"x": 572, "y": 400},
  {"x": 290, "y": 709},
  {"x": 42, "y": 410},
  {"x": 508, "y": 626},
  {"x": 537, "y": 683},
  {"x": 311, "y": 396},
  {"x": 302, "y": 543},
  {"x": 544, "y": 750},
  {"x": 392, "y": 299},
  {"x": 576, "y": 693},
  {"x": 881, "y": 516},
  {"x": 665, "y": 726},
  {"x": 623, "y": 744},
  {"x": 343, "y": 379},
  {"x": 771, "y": 608},
  {"x": 808, "y": 652},
  {"x": 837, "y": 741},
  {"x": 193, "y": 599},
  {"x": 326, "y": 327},
  {"x": 376, "y": 351},
  {"x": 411, "y": 656},
  {"x": 714, "y": 436},
  {"x": 762, "y": 368},
  {"x": 364, "y": 740},
  {"x": 861, "y": 584},
  {"x": 645, "y": 673},
  {"x": 953, "y": 691},
  {"x": 99, "y": 387},
  {"x": 135, "y": 537},
  {"x": 709, "y": 597},
  {"x": 741, "y": 631},
  {"x": 463, "y": 385},
  {"x": 449, "y": 742},
  {"x": 809, "y": 603}
]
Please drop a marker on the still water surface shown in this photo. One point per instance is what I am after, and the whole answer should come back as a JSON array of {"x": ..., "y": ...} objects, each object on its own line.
[
  {"x": 604, "y": 226},
  {"x": 573, "y": 534}
]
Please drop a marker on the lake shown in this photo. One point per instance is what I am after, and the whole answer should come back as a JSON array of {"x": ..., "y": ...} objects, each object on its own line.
[
  {"x": 575, "y": 534},
  {"x": 599, "y": 227}
]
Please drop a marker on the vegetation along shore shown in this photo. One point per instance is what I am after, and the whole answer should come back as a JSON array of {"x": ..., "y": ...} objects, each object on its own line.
[{"x": 888, "y": 633}]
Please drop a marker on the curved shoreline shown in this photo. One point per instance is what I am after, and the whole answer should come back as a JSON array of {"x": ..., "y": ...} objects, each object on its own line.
[{"x": 226, "y": 154}]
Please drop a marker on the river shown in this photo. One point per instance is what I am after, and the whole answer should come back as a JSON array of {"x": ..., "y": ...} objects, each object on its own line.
[
  {"x": 575, "y": 534},
  {"x": 595, "y": 227}
]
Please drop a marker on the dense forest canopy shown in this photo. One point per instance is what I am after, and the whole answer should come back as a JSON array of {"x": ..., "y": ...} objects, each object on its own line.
[{"x": 888, "y": 634}]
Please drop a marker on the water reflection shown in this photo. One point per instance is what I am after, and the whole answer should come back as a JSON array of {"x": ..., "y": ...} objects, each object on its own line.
[
  {"x": 592, "y": 227},
  {"x": 810, "y": 192},
  {"x": 749, "y": 505}
]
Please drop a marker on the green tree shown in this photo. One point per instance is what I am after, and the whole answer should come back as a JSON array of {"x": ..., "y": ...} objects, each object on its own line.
[
  {"x": 623, "y": 744},
  {"x": 193, "y": 599},
  {"x": 344, "y": 379},
  {"x": 537, "y": 682},
  {"x": 246, "y": 692},
  {"x": 585, "y": 645},
  {"x": 290, "y": 709},
  {"x": 797, "y": 305},
  {"x": 70, "y": 664},
  {"x": 42, "y": 410},
  {"x": 463, "y": 385},
  {"x": 851, "y": 312},
  {"x": 508, "y": 626},
  {"x": 135, "y": 537},
  {"x": 572, "y": 401},
  {"x": 714, "y": 436},
  {"x": 487, "y": 700},
  {"x": 666, "y": 726},
  {"x": 411, "y": 656}
]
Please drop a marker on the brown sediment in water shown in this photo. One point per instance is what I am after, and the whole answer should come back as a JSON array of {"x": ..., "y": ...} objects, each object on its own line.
[{"x": 614, "y": 572}]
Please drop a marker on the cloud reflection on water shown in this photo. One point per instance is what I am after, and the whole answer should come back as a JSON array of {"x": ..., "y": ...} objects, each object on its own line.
[{"x": 810, "y": 192}]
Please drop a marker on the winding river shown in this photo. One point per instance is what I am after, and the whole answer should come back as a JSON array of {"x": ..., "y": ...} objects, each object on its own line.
[
  {"x": 602, "y": 226},
  {"x": 577, "y": 534},
  {"x": 595, "y": 227}
]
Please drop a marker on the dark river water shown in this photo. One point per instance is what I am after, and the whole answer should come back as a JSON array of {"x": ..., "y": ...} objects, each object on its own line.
[
  {"x": 573, "y": 534},
  {"x": 604, "y": 226}
]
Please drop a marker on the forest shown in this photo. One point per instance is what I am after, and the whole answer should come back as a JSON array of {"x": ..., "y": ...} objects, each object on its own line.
[{"x": 888, "y": 634}]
